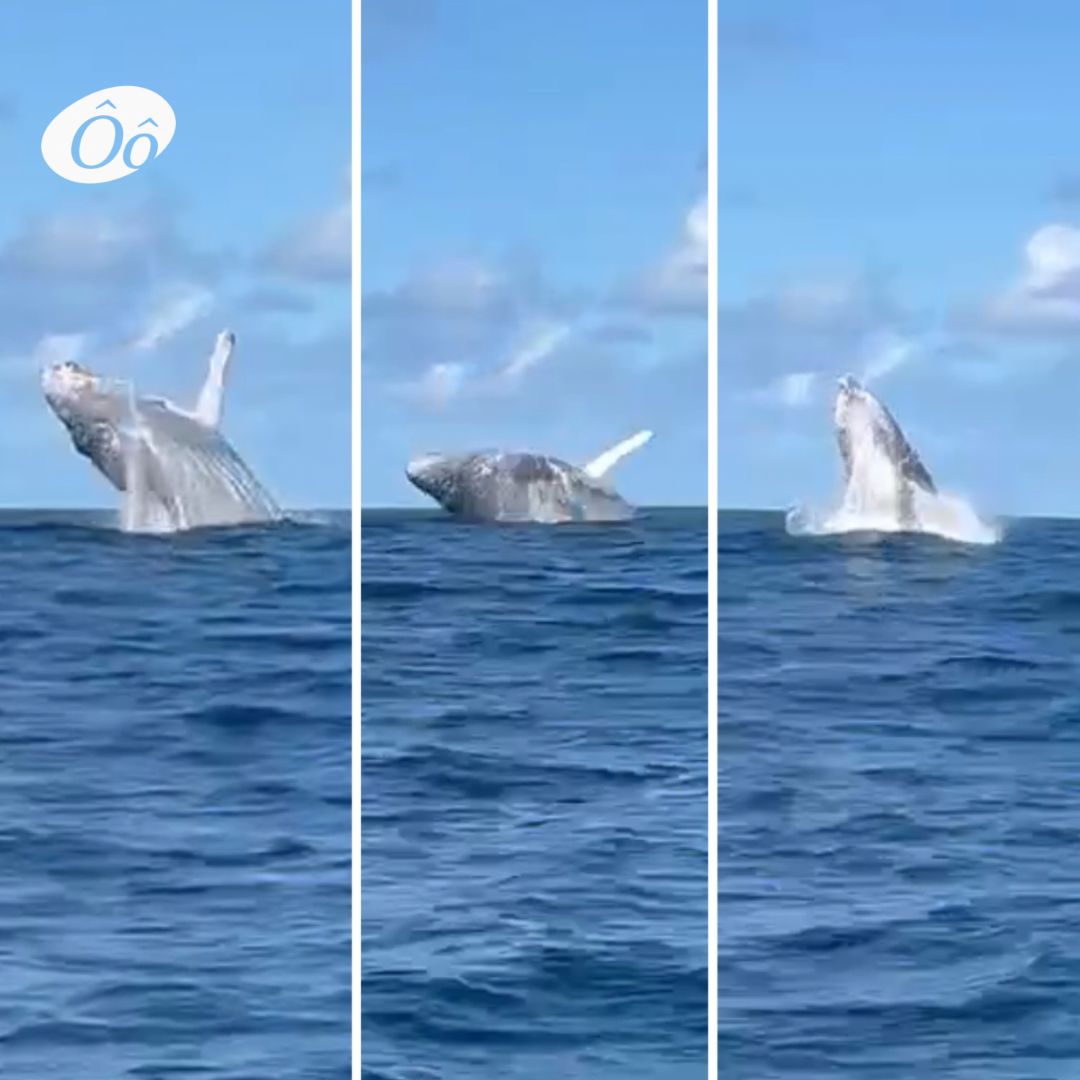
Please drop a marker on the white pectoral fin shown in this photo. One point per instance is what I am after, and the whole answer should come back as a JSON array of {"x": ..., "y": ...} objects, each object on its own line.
[
  {"x": 603, "y": 463},
  {"x": 208, "y": 408}
]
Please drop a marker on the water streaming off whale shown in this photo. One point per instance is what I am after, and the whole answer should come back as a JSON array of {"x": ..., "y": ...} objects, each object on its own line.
[{"x": 182, "y": 474}]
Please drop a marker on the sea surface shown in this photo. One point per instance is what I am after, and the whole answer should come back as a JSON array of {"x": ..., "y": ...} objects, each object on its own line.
[
  {"x": 534, "y": 799},
  {"x": 174, "y": 801},
  {"x": 899, "y": 804}
]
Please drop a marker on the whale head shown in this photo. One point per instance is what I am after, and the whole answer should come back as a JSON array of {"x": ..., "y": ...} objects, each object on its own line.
[
  {"x": 848, "y": 384},
  {"x": 92, "y": 410},
  {"x": 436, "y": 475},
  {"x": 76, "y": 393},
  {"x": 66, "y": 382}
]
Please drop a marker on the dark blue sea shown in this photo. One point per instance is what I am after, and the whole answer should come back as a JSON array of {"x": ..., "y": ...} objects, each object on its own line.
[
  {"x": 899, "y": 805},
  {"x": 534, "y": 799},
  {"x": 174, "y": 802}
]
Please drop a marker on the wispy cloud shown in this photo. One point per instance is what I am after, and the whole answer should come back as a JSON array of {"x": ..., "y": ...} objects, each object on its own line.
[
  {"x": 677, "y": 284},
  {"x": 463, "y": 326},
  {"x": 131, "y": 245},
  {"x": 538, "y": 345},
  {"x": 439, "y": 385},
  {"x": 172, "y": 311},
  {"x": 1045, "y": 298},
  {"x": 794, "y": 390},
  {"x": 319, "y": 248},
  {"x": 445, "y": 381},
  {"x": 886, "y": 353},
  {"x": 274, "y": 299},
  {"x": 777, "y": 346},
  {"x": 59, "y": 349}
]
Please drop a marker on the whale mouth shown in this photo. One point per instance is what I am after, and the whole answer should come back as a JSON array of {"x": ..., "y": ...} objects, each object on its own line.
[
  {"x": 66, "y": 379},
  {"x": 420, "y": 467},
  {"x": 70, "y": 388},
  {"x": 73, "y": 391}
]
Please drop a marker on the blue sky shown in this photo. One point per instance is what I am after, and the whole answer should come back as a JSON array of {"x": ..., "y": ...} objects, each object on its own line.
[
  {"x": 242, "y": 222},
  {"x": 900, "y": 192},
  {"x": 534, "y": 236}
]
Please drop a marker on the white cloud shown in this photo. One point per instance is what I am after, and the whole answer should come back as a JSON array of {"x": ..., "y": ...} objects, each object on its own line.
[
  {"x": 50, "y": 349},
  {"x": 795, "y": 389},
  {"x": 439, "y": 385},
  {"x": 468, "y": 327},
  {"x": 843, "y": 308},
  {"x": 445, "y": 381},
  {"x": 84, "y": 245},
  {"x": 59, "y": 349},
  {"x": 792, "y": 391},
  {"x": 678, "y": 283},
  {"x": 464, "y": 326},
  {"x": 1046, "y": 296},
  {"x": 816, "y": 303},
  {"x": 456, "y": 286},
  {"x": 319, "y": 248}
]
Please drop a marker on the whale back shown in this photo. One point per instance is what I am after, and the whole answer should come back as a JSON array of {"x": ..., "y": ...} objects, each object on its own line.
[{"x": 507, "y": 486}]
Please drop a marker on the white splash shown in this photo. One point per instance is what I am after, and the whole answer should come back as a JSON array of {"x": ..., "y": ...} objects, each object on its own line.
[
  {"x": 949, "y": 516},
  {"x": 872, "y": 503}
]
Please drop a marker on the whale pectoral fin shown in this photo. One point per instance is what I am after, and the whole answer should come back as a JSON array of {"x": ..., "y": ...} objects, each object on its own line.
[
  {"x": 604, "y": 462},
  {"x": 915, "y": 471},
  {"x": 208, "y": 408}
]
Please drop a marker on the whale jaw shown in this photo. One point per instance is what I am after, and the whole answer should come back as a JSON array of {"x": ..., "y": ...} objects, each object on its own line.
[{"x": 433, "y": 474}]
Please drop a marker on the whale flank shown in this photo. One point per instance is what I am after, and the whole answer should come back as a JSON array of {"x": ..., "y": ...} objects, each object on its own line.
[{"x": 502, "y": 486}]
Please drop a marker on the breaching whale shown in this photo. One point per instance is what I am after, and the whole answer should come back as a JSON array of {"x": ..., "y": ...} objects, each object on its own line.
[
  {"x": 173, "y": 466},
  {"x": 887, "y": 488},
  {"x": 881, "y": 468},
  {"x": 507, "y": 486}
]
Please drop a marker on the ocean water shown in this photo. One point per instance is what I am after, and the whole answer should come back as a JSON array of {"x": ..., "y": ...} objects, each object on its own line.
[
  {"x": 174, "y": 802},
  {"x": 534, "y": 799},
  {"x": 899, "y": 804}
]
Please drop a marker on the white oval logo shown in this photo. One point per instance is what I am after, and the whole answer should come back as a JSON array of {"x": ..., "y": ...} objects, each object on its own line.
[{"x": 108, "y": 134}]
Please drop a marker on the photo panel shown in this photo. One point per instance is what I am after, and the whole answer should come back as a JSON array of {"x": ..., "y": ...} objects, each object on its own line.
[
  {"x": 534, "y": 540},
  {"x": 897, "y": 310},
  {"x": 175, "y": 538}
]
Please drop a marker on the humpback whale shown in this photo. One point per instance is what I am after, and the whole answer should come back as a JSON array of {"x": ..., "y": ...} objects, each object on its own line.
[
  {"x": 881, "y": 468},
  {"x": 504, "y": 486},
  {"x": 172, "y": 465},
  {"x": 887, "y": 488}
]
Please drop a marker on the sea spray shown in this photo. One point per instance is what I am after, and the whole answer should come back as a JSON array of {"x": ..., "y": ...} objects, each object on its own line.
[{"x": 185, "y": 475}]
